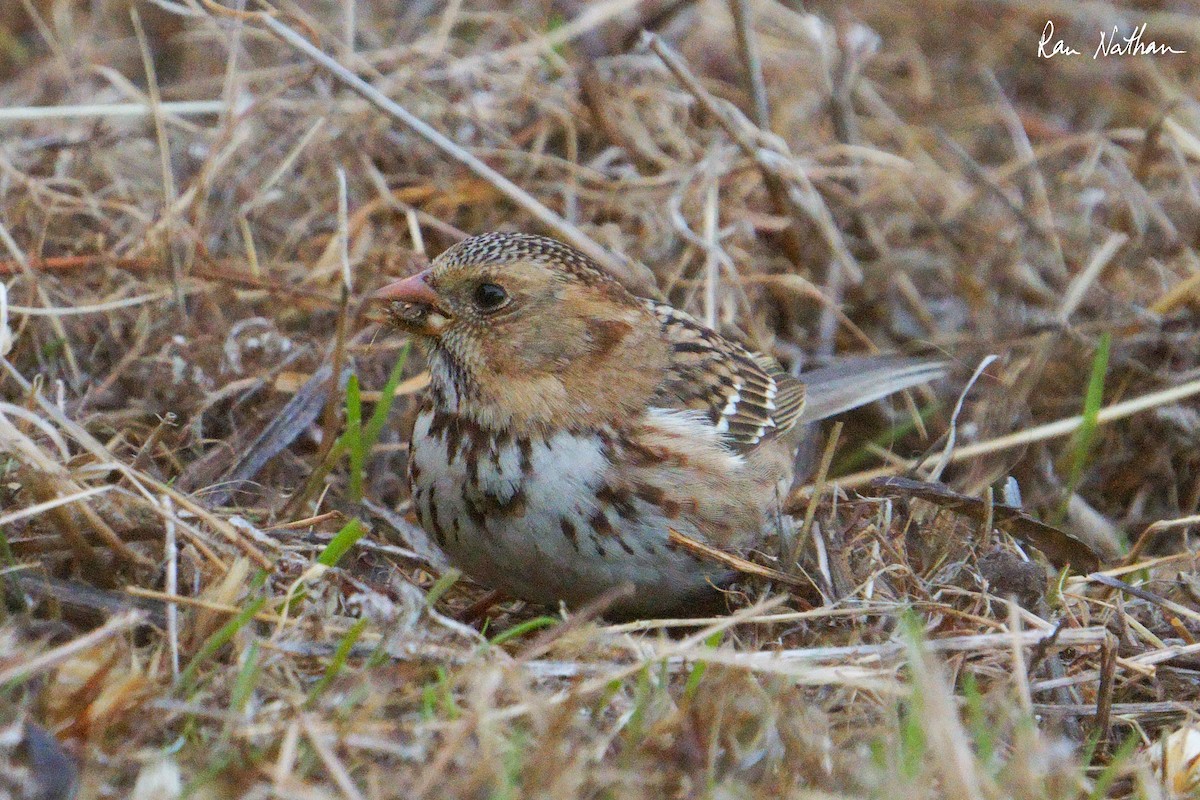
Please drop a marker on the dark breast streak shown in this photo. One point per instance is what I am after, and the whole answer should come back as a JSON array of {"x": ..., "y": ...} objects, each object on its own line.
[{"x": 487, "y": 460}]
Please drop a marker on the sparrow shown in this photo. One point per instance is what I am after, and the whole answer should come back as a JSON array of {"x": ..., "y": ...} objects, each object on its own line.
[{"x": 569, "y": 426}]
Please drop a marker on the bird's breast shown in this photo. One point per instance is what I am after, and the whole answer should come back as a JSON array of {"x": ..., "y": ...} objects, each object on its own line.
[{"x": 563, "y": 516}]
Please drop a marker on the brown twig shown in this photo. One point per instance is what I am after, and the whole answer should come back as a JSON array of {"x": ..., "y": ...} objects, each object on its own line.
[
  {"x": 307, "y": 522},
  {"x": 737, "y": 563},
  {"x": 68, "y": 529},
  {"x": 1104, "y": 692},
  {"x": 66, "y": 263}
]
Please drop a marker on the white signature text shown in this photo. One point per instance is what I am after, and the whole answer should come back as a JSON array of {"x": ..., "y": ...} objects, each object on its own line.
[{"x": 1111, "y": 44}]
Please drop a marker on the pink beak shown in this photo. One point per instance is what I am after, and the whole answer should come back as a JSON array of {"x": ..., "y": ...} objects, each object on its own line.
[{"x": 414, "y": 290}]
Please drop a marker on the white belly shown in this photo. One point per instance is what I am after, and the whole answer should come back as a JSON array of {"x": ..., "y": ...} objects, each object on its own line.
[{"x": 526, "y": 518}]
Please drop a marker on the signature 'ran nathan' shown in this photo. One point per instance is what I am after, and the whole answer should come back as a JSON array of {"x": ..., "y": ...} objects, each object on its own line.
[{"x": 1111, "y": 44}]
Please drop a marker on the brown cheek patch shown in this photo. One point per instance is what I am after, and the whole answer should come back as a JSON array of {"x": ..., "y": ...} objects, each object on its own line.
[{"x": 605, "y": 334}]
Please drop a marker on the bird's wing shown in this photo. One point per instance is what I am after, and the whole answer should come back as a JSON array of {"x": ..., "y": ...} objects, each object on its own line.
[{"x": 748, "y": 397}]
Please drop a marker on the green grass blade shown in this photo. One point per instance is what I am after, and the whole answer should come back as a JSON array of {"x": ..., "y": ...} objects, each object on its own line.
[
  {"x": 978, "y": 725},
  {"x": 342, "y": 541},
  {"x": 700, "y": 667},
  {"x": 218, "y": 640},
  {"x": 338, "y": 662},
  {"x": 246, "y": 681},
  {"x": 358, "y": 439},
  {"x": 522, "y": 628},
  {"x": 353, "y": 437},
  {"x": 6, "y": 554},
  {"x": 1113, "y": 769},
  {"x": 379, "y": 416},
  {"x": 446, "y": 703},
  {"x": 1086, "y": 436},
  {"x": 441, "y": 586}
]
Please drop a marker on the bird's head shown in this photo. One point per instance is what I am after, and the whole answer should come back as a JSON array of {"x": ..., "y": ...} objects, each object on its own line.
[{"x": 524, "y": 331}]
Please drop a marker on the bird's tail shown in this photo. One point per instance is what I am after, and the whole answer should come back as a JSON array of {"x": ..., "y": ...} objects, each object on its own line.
[{"x": 852, "y": 382}]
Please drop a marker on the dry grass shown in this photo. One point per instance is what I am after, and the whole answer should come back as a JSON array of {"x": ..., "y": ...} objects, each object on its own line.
[{"x": 186, "y": 242}]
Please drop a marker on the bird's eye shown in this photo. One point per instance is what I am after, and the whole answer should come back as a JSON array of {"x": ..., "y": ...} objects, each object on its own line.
[{"x": 489, "y": 296}]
